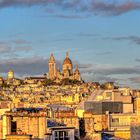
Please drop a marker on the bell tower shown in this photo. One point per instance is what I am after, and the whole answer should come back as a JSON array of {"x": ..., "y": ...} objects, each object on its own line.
[{"x": 52, "y": 67}]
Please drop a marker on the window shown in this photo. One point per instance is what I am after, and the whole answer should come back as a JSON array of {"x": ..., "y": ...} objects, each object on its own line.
[
  {"x": 66, "y": 135},
  {"x": 115, "y": 119},
  {"x": 61, "y": 135},
  {"x": 56, "y": 134},
  {"x": 13, "y": 126}
]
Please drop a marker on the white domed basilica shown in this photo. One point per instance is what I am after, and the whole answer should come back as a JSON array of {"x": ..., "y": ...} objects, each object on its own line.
[{"x": 67, "y": 70}]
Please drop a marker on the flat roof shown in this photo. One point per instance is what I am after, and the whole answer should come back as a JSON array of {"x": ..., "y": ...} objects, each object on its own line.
[{"x": 61, "y": 127}]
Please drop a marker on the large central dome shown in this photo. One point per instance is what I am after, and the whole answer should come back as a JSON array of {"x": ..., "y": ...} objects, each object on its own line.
[
  {"x": 67, "y": 63},
  {"x": 67, "y": 60}
]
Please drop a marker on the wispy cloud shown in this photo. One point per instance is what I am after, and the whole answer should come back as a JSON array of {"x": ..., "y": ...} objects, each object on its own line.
[
  {"x": 8, "y": 3},
  {"x": 112, "y": 8},
  {"x": 133, "y": 39},
  {"x": 23, "y": 48},
  {"x": 85, "y": 66},
  {"x": 10, "y": 48},
  {"x": 29, "y": 3},
  {"x": 20, "y": 42},
  {"x": 137, "y": 59},
  {"x": 96, "y": 7},
  {"x": 88, "y": 35},
  {"x": 24, "y": 66},
  {"x": 111, "y": 70},
  {"x": 61, "y": 39},
  {"x": 121, "y": 75},
  {"x": 5, "y": 48},
  {"x": 135, "y": 79},
  {"x": 69, "y": 16},
  {"x": 104, "y": 53},
  {"x": 98, "y": 78}
]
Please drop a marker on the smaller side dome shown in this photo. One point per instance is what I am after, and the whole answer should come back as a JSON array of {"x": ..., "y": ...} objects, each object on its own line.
[{"x": 77, "y": 70}]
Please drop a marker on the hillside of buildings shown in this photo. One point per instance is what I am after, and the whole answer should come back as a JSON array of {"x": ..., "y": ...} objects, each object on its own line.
[{"x": 59, "y": 105}]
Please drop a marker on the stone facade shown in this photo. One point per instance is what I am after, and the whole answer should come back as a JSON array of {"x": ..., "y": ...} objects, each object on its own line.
[
  {"x": 95, "y": 123},
  {"x": 67, "y": 70},
  {"x": 34, "y": 124},
  {"x": 18, "y": 137}
]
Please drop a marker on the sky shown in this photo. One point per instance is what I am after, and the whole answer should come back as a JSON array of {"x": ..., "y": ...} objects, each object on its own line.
[{"x": 101, "y": 36}]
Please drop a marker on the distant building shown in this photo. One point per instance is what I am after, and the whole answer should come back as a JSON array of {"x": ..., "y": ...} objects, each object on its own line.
[
  {"x": 67, "y": 70},
  {"x": 21, "y": 123},
  {"x": 103, "y": 107},
  {"x": 10, "y": 75},
  {"x": 26, "y": 121},
  {"x": 1, "y": 80},
  {"x": 60, "y": 133}
]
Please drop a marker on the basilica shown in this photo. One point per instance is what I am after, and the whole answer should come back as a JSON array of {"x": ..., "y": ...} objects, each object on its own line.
[{"x": 67, "y": 70}]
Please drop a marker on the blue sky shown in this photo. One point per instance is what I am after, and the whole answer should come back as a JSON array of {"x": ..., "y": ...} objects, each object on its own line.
[{"x": 102, "y": 36}]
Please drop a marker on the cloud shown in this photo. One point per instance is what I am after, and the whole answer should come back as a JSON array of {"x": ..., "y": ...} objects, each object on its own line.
[
  {"x": 98, "y": 78},
  {"x": 61, "y": 39},
  {"x": 69, "y": 16},
  {"x": 100, "y": 73},
  {"x": 104, "y": 53},
  {"x": 25, "y": 66},
  {"x": 29, "y": 3},
  {"x": 88, "y": 35},
  {"x": 85, "y": 66},
  {"x": 121, "y": 75},
  {"x": 137, "y": 59},
  {"x": 5, "y": 48},
  {"x": 111, "y": 70},
  {"x": 135, "y": 79},
  {"x": 20, "y": 42},
  {"x": 102, "y": 7},
  {"x": 96, "y": 7},
  {"x": 23, "y": 48},
  {"x": 8, "y": 3},
  {"x": 8, "y": 48},
  {"x": 133, "y": 39}
]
